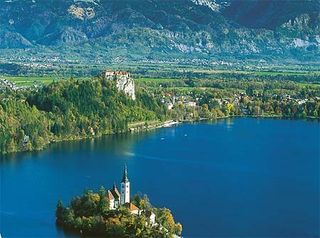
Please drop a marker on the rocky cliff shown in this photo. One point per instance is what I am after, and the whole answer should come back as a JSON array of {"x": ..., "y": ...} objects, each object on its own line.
[{"x": 123, "y": 82}]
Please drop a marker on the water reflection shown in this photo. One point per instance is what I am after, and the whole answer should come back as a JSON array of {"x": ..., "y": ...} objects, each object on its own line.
[
  {"x": 120, "y": 145},
  {"x": 229, "y": 124}
]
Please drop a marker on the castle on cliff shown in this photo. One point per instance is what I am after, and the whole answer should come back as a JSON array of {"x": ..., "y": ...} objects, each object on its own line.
[{"x": 123, "y": 82}]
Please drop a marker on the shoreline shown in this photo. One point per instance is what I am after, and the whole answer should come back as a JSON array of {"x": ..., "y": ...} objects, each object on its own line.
[{"x": 147, "y": 126}]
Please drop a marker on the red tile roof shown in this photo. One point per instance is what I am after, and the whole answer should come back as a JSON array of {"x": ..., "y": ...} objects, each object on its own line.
[{"x": 131, "y": 206}]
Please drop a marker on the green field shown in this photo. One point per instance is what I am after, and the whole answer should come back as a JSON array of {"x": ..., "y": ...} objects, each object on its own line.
[
  {"x": 170, "y": 77},
  {"x": 28, "y": 81},
  {"x": 256, "y": 72}
]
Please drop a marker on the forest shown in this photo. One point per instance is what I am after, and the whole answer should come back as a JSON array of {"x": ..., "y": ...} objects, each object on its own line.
[
  {"x": 68, "y": 110},
  {"x": 74, "y": 109}
]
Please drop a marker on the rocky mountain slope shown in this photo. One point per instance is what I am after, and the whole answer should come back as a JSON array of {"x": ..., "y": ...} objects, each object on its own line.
[{"x": 158, "y": 28}]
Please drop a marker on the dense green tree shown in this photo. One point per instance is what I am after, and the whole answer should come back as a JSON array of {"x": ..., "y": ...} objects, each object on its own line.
[{"x": 70, "y": 109}]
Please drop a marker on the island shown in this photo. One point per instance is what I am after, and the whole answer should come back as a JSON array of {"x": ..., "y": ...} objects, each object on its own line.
[{"x": 111, "y": 213}]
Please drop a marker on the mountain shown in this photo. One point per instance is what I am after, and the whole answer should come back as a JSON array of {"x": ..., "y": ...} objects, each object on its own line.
[
  {"x": 13, "y": 40},
  {"x": 162, "y": 28},
  {"x": 269, "y": 14}
]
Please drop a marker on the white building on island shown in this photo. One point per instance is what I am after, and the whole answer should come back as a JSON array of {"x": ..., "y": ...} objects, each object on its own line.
[
  {"x": 122, "y": 198},
  {"x": 113, "y": 196},
  {"x": 117, "y": 199},
  {"x": 125, "y": 187}
]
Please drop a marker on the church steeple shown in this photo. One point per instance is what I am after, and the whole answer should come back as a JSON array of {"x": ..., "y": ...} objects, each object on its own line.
[
  {"x": 125, "y": 187},
  {"x": 125, "y": 175}
]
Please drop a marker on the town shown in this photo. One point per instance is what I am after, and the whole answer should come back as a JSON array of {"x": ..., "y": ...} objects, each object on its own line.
[{"x": 191, "y": 99}]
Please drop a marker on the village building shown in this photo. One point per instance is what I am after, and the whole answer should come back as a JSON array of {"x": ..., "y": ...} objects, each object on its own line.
[
  {"x": 151, "y": 216},
  {"x": 133, "y": 208},
  {"x": 190, "y": 104},
  {"x": 169, "y": 105}
]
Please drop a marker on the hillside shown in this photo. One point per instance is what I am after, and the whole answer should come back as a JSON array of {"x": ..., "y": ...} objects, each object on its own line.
[
  {"x": 154, "y": 29},
  {"x": 70, "y": 110}
]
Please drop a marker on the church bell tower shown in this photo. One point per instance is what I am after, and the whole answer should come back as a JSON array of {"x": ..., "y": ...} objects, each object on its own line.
[{"x": 125, "y": 187}]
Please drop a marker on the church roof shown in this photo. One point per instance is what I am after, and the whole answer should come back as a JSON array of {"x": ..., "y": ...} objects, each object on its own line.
[
  {"x": 115, "y": 192},
  {"x": 109, "y": 195},
  {"x": 131, "y": 206}
]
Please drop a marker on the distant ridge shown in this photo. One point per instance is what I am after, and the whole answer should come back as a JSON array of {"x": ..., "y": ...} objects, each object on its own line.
[{"x": 158, "y": 28}]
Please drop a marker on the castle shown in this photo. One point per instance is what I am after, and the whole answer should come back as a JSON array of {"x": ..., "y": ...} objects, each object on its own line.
[{"x": 123, "y": 82}]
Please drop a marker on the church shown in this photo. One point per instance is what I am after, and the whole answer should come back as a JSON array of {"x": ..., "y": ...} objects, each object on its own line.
[{"x": 122, "y": 198}]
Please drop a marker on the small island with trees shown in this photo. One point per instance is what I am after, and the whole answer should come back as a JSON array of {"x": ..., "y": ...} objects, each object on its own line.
[{"x": 110, "y": 213}]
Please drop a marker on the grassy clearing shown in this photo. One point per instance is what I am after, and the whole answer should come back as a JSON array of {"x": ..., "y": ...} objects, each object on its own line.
[
  {"x": 29, "y": 81},
  {"x": 258, "y": 73},
  {"x": 155, "y": 80},
  {"x": 159, "y": 79},
  {"x": 312, "y": 85},
  {"x": 171, "y": 80},
  {"x": 33, "y": 80}
]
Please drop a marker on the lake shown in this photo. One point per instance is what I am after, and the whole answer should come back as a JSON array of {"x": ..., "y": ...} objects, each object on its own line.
[{"x": 240, "y": 177}]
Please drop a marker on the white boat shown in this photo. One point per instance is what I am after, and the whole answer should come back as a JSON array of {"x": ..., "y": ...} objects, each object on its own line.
[{"x": 170, "y": 123}]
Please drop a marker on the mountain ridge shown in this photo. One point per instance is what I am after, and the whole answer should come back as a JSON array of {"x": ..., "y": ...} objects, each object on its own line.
[{"x": 196, "y": 27}]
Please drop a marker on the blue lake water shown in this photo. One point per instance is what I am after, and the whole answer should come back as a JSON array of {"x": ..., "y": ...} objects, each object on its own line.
[{"x": 233, "y": 178}]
